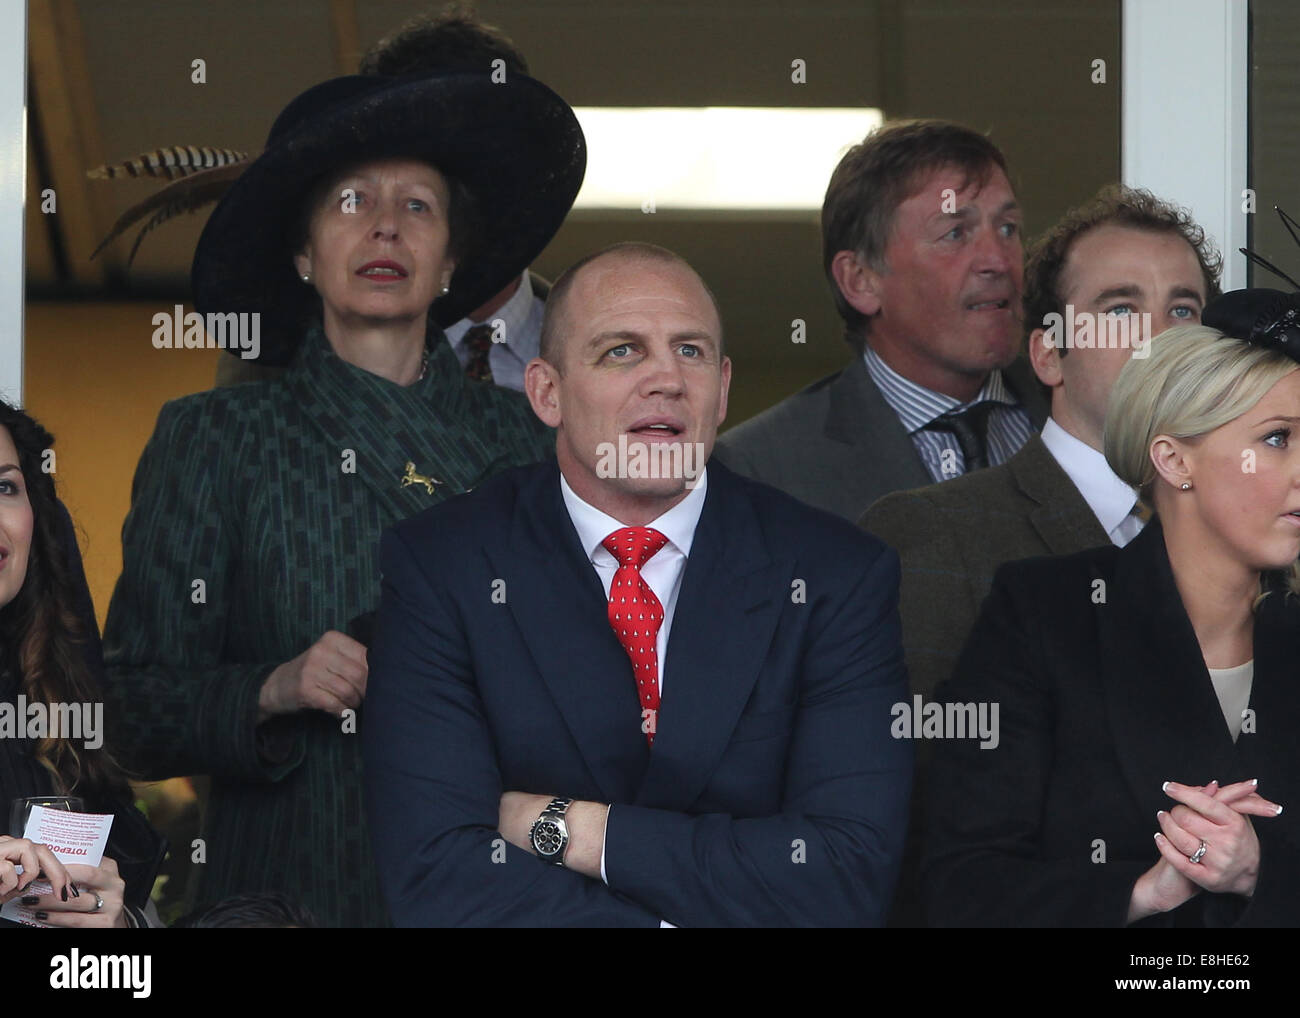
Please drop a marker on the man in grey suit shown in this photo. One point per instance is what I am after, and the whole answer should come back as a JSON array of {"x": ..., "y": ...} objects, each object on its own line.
[
  {"x": 1102, "y": 270},
  {"x": 921, "y": 246}
]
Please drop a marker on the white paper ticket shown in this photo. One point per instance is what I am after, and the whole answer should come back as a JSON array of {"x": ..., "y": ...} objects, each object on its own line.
[{"x": 72, "y": 837}]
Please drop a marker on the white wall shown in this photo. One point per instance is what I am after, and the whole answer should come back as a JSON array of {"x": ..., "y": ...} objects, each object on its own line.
[
  {"x": 1185, "y": 78},
  {"x": 13, "y": 192}
]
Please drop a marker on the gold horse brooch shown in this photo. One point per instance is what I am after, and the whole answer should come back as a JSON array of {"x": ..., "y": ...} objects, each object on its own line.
[{"x": 411, "y": 477}]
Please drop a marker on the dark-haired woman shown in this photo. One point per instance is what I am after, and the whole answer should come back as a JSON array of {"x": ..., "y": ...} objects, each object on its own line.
[
  {"x": 236, "y": 637},
  {"x": 48, "y": 655}
]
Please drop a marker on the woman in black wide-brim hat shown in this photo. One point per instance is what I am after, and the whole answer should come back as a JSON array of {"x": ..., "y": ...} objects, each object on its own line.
[{"x": 381, "y": 210}]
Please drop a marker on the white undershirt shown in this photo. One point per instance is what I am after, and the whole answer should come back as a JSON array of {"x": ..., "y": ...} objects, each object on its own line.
[{"x": 1232, "y": 687}]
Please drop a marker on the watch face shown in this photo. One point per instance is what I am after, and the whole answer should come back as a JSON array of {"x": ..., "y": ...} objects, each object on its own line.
[{"x": 546, "y": 838}]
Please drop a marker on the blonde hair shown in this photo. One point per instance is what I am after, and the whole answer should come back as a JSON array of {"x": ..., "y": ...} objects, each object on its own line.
[{"x": 1192, "y": 381}]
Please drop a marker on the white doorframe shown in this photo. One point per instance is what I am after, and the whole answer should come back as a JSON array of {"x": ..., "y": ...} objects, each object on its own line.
[
  {"x": 13, "y": 192},
  {"x": 1185, "y": 81}
]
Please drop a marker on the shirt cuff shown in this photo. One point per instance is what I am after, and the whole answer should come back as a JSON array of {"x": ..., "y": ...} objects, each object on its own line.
[{"x": 604, "y": 835}]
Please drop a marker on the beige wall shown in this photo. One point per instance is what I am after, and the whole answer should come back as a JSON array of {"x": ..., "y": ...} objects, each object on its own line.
[{"x": 94, "y": 379}]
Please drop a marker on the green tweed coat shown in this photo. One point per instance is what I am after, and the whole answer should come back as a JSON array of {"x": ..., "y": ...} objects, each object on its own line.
[{"x": 254, "y": 527}]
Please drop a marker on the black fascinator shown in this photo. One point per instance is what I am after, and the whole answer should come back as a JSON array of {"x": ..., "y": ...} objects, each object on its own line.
[{"x": 1264, "y": 317}]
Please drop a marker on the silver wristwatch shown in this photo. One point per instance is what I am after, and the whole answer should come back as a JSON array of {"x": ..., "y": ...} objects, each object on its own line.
[{"x": 549, "y": 833}]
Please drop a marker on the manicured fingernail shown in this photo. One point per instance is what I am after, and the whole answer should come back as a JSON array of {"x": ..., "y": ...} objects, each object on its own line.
[
  {"x": 65, "y": 894},
  {"x": 1254, "y": 781},
  {"x": 1158, "y": 835},
  {"x": 42, "y": 915},
  {"x": 73, "y": 889},
  {"x": 1165, "y": 787},
  {"x": 1279, "y": 810},
  {"x": 30, "y": 899},
  {"x": 1159, "y": 813}
]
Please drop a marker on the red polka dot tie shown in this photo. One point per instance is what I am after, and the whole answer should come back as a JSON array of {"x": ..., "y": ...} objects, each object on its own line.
[{"x": 636, "y": 614}]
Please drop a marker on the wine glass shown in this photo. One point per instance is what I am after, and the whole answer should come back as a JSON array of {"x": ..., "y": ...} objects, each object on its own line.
[{"x": 20, "y": 810}]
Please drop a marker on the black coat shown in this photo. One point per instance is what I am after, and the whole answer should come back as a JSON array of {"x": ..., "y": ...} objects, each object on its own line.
[{"x": 1103, "y": 696}]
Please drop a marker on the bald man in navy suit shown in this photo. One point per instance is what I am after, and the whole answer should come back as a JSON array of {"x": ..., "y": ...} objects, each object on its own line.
[{"x": 606, "y": 696}]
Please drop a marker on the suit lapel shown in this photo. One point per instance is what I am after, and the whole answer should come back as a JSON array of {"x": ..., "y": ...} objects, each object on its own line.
[
  {"x": 879, "y": 456},
  {"x": 1062, "y": 518},
  {"x": 557, "y": 600},
  {"x": 730, "y": 600},
  {"x": 1271, "y": 752},
  {"x": 1163, "y": 711}
]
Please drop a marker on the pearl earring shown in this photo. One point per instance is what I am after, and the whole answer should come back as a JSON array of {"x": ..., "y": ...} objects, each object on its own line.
[
  {"x": 306, "y": 277},
  {"x": 445, "y": 290},
  {"x": 1186, "y": 486}
]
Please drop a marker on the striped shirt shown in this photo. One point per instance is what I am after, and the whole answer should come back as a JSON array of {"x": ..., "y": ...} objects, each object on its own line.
[{"x": 1009, "y": 426}]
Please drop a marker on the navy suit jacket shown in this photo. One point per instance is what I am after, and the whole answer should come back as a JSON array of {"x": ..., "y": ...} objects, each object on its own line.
[{"x": 774, "y": 794}]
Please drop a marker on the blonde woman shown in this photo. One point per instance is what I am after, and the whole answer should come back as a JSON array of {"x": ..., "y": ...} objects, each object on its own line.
[{"x": 1148, "y": 697}]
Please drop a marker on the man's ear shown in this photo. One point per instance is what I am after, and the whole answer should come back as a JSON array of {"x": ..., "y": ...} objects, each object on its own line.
[
  {"x": 542, "y": 386},
  {"x": 302, "y": 262},
  {"x": 858, "y": 282},
  {"x": 726, "y": 389},
  {"x": 1045, "y": 358}
]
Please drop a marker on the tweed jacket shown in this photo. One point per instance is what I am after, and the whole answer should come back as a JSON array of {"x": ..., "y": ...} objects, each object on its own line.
[
  {"x": 839, "y": 446},
  {"x": 254, "y": 528},
  {"x": 952, "y": 537}
]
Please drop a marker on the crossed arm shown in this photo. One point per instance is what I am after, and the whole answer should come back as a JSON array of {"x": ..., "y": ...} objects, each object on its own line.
[{"x": 448, "y": 843}]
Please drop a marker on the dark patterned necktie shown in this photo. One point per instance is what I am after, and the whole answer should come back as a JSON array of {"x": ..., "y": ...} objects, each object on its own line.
[
  {"x": 478, "y": 341},
  {"x": 971, "y": 428},
  {"x": 636, "y": 614}
]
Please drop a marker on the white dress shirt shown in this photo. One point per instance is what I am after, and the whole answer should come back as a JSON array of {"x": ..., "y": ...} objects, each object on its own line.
[
  {"x": 662, "y": 571},
  {"x": 521, "y": 318},
  {"x": 1109, "y": 498}
]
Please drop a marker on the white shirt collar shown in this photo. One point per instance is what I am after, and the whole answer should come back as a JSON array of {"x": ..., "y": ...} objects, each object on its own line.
[
  {"x": 677, "y": 524},
  {"x": 1109, "y": 498}
]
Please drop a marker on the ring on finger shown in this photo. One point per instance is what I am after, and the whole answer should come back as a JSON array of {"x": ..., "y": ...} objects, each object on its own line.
[
  {"x": 1199, "y": 854},
  {"x": 99, "y": 902}
]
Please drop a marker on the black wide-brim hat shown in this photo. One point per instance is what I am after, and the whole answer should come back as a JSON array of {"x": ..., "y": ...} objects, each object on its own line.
[{"x": 514, "y": 145}]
